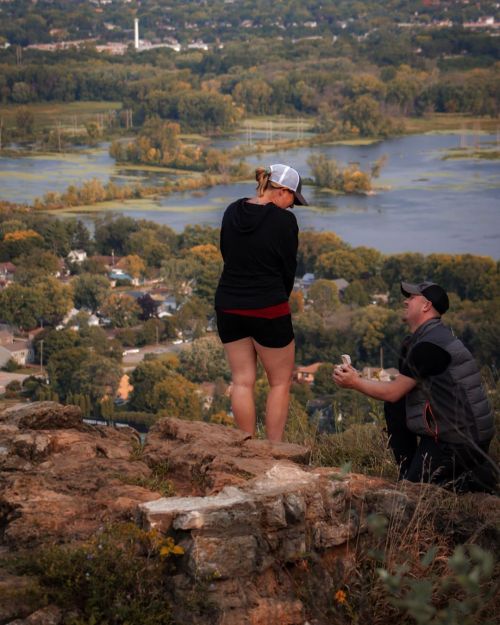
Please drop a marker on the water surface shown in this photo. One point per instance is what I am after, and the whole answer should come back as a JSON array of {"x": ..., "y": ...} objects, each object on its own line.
[{"x": 425, "y": 204}]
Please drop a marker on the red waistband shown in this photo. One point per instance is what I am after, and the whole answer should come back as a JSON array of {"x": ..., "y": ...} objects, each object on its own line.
[{"x": 269, "y": 312}]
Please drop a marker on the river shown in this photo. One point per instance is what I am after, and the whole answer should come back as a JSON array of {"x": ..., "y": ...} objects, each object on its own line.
[{"x": 424, "y": 203}]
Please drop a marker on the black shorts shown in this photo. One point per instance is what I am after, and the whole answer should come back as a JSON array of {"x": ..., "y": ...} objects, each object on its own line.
[{"x": 267, "y": 332}]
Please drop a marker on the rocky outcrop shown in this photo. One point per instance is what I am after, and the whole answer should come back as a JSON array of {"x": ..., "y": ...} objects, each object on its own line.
[
  {"x": 252, "y": 517},
  {"x": 243, "y": 538},
  {"x": 60, "y": 478},
  {"x": 204, "y": 458}
]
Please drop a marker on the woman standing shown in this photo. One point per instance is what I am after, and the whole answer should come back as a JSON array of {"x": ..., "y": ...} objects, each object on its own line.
[{"x": 258, "y": 242}]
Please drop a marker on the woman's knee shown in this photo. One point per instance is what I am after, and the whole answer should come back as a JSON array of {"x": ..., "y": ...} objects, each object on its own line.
[
  {"x": 283, "y": 382},
  {"x": 243, "y": 380}
]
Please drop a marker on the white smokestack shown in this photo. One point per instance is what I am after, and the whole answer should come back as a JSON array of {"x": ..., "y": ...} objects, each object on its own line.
[{"x": 136, "y": 33}]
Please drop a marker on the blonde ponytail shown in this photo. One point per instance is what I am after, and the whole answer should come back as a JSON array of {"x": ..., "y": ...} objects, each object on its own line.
[{"x": 262, "y": 175}]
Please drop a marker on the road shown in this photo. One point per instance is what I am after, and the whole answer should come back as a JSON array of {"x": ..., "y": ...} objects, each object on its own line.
[{"x": 131, "y": 360}]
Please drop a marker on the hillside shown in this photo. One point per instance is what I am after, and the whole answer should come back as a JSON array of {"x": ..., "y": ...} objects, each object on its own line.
[{"x": 249, "y": 533}]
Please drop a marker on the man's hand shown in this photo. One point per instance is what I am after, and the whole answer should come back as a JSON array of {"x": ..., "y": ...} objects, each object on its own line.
[{"x": 345, "y": 376}]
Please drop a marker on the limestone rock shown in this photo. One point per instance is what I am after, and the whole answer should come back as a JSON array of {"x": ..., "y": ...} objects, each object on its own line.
[
  {"x": 249, "y": 514},
  {"x": 44, "y": 415},
  {"x": 61, "y": 481},
  {"x": 208, "y": 457}
]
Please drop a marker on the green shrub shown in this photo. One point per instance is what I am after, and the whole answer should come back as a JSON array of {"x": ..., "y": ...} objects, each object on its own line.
[{"x": 120, "y": 577}]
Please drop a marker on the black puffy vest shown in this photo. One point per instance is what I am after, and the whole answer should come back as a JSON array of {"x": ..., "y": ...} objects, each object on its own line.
[{"x": 451, "y": 406}]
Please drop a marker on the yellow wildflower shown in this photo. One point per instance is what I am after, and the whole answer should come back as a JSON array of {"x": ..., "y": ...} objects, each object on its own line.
[{"x": 169, "y": 547}]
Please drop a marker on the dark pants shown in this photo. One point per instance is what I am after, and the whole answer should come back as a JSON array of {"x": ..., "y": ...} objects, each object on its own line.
[{"x": 463, "y": 468}]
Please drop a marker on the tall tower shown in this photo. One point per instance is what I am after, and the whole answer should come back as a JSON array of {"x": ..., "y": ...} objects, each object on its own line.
[{"x": 136, "y": 33}]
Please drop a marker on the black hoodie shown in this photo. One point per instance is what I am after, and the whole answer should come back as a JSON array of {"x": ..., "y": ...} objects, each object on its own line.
[{"x": 258, "y": 243}]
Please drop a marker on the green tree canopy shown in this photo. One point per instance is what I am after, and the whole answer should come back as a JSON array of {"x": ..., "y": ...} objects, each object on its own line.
[
  {"x": 341, "y": 264},
  {"x": 324, "y": 297},
  {"x": 204, "y": 360},
  {"x": 90, "y": 291}
]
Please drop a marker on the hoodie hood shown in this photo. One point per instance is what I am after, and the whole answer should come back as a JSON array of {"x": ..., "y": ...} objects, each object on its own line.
[{"x": 246, "y": 217}]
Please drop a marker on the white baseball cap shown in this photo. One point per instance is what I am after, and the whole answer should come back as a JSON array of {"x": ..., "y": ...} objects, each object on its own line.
[{"x": 289, "y": 178}]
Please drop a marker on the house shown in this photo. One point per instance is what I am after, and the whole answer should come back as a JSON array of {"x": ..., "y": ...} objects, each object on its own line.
[
  {"x": 70, "y": 321},
  {"x": 118, "y": 274},
  {"x": 77, "y": 256},
  {"x": 20, "y": 350},
  {"x": 380, "y": 298},
  {"x": 7, "y": 271},
  {"x": 6, "y": 336},
  {"x": 167, "y": 304},
  {"x": 305, "y": 375},
  {"x": 308, "y": 279}
]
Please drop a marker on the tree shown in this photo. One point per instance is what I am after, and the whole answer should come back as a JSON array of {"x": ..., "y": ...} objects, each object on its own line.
[
  {"x": 408, "y": 266},
  {"x": 146, "y": 243},
  {"x": 207, "y": 267},
  {"x": 198, "y": 235},
  {"x": 341, "y": 264},
  {"x": 149, "y": 306},
  {"x": 177, "y": 274},
  {"x": 372, "y": 259},
  {"x": 312, "y": 245},
  {"x": 177, "y": 397},
  {"x": 98, "y": 377},
  {"x": 54, "y": 341},
  {"x": 255, "y": 95},
  {"x": 371, "y": 327},
  {"x": 204, "y": 360},
  {"x": 323, "y": 382},
  {"x": 25, "y": 120},
  {"x": 122, "y": 310},
  {"x": 113, "y": 235},
  {"x": 18, "y": 243},
  {"x": 191, "y": 319},
  {"x": 355, "y": 293},
  {"x": 90, "y": 291},
  {"x": 143, "y": 379},
  {"x": 57, "y": 300},
  {"x": 79, "y": 236},
  {"x": 133, "y": 265},
  {"x": 21, "y": 306},
  {"x": 96, "y": 339},
  {"x": 364, "y": 114},
  {"x": 151, "y": 332},
  {"x": 36, "y": 266},
  {"x": 324, "y": 296},
  {"x": 62, "y": 366}
]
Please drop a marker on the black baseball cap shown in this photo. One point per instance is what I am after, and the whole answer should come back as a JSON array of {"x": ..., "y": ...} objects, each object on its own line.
[{"x": 431, "y": 291}]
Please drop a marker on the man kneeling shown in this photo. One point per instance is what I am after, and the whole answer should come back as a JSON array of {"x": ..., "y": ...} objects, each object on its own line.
[{"x": 439, "y": 420}]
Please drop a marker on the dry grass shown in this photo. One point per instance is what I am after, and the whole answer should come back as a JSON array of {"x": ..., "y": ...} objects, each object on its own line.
[{"x": 53, "y": 113}]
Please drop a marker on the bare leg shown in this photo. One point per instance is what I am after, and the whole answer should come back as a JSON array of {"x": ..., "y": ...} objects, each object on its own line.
[
  {"x": 242, "y": 360},
  {"x": 278, "y": 363}
]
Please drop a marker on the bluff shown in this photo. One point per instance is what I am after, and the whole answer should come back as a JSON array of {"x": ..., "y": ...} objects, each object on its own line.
[{"x": 258, "y": 528}]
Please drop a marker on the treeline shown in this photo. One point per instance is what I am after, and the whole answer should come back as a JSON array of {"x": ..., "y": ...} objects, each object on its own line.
[
  {"x": 84, "y": 361},
  {"x": 346, "y": 98},
  {"x": 188, "y": 264},
  {"x": 159, "y": 143}
]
